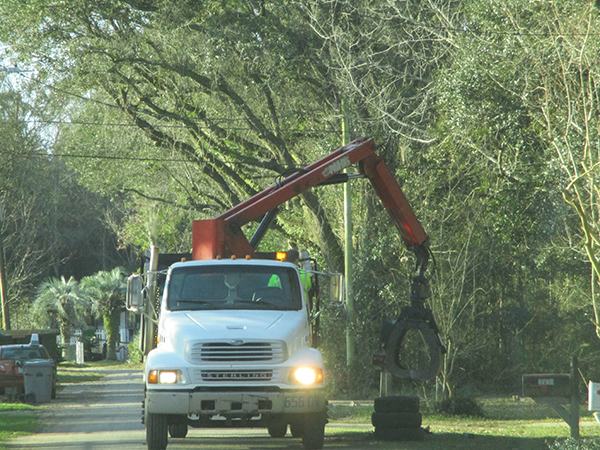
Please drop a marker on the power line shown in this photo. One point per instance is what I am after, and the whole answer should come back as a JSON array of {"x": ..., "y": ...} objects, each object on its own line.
[
  {"x": 115, "y": 124},
  {"x": 118, "y": 158},
  {"x": 133, "y": 158}
]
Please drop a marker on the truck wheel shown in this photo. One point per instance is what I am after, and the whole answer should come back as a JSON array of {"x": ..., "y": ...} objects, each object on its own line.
[
  {"x": 297, "y": 429},
  {"x": 277, "y": 429},
  {"x": 314, "y": 434},
  {"x": 178, "y": 430},
  {"x": 156, "y": 431}
]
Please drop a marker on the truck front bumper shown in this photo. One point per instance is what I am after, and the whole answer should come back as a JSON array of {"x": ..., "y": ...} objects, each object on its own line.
[{"x": 234, "y": 403}]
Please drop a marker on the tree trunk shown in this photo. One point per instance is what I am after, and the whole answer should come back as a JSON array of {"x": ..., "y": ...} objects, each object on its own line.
[
  {"x": 65, "y": 335},
  {"x": 111, "y": 326}
]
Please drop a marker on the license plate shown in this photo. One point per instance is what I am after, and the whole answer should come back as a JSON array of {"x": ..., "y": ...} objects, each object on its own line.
[{"x": 303, "y": 402}]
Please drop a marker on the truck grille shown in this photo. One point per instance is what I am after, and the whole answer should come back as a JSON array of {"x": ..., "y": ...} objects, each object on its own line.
[
  {"x": 224, "y": 352},
  {"x": 236, "y": 375}
]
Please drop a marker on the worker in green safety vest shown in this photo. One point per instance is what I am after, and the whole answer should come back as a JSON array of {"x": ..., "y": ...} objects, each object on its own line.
[{"x": 294, "y": 257}]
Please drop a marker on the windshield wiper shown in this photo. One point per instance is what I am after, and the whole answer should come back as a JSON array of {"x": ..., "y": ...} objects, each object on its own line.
[
  {"x": 196, "y": 303},
  {"x": 260, "y": 303}
]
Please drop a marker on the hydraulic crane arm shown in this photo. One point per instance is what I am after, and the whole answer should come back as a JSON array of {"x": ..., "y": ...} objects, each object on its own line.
[
  {"x": 223, "y": 237},
  {"x": 224, "y": 233}
]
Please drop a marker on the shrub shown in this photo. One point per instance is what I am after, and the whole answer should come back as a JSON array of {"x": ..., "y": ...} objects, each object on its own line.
[
  {"x": 574, "y": 444},
  {"x": 135, "y": 354},
  {"x": 459, "y": 406}
]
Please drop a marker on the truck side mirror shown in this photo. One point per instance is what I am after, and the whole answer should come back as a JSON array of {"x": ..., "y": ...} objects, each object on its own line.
[
  {"x": 135, "y": 294},
  {"x": 336, "y": 289}
]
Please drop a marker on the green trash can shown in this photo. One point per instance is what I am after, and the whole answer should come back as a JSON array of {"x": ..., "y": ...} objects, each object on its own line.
[{"x": 37, "y": 376}]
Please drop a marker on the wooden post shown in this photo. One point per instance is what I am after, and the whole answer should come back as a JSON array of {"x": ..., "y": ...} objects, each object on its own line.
[
  {"x": 385, "y": 381},
  {"x": 3, "y": 289},
  {"x": 574, "y": 407}
]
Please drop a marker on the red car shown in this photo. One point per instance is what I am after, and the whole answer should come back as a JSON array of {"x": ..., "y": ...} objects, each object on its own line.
[{"x": 13, "y": 359}]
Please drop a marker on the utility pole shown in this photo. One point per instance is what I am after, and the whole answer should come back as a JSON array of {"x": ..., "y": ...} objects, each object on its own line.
[
  {"x": 348, "y": 275},
  {"x": 3, "y": 295}
]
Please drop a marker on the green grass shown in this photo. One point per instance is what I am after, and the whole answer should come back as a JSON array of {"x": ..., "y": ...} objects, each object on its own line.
[
  {"x": 519, "y": 424},
  {"x": 104, "y": 364},
  {"x": 15, "y": 407},
  {"x": 69, "y": 372},
  {"x": 14, "y": 424},
  {"x": 65, "y": 376}
]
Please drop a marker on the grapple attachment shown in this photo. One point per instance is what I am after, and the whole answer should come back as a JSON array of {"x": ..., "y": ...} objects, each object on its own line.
[{"x": 419, "y": 319}]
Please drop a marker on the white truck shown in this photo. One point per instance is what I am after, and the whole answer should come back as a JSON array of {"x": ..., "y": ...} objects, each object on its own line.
[
  {"x": 234, "y": 349},
  {"x": 235, "y": 332}
]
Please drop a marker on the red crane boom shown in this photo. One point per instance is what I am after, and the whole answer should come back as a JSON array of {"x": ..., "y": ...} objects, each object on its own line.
[{"x": 222, "y": 237}]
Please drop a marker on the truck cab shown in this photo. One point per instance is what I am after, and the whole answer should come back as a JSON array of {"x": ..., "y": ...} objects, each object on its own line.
[{"x": 234, "y": 349}]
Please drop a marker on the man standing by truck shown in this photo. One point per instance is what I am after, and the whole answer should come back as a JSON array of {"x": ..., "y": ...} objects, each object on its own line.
[{"x": 293, "y": 256}]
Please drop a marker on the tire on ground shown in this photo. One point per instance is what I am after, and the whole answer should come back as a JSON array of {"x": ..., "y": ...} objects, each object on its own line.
[
  {"x": 178, "y": 430},
  {"x": 397, "y": 404},
  {"x": 314, "y": 433},
  {"x": 156, "y": 431},
  {"x": 399, "y": 434},
  {"x": 277, "y": 429},
  {"x": 297, "y": 429},
  {"x": 396, "y": 419}
]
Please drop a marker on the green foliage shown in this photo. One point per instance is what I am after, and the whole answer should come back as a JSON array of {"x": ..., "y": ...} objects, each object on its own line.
[
  {"x": 61, "y": 303},
  {"x": 65, "y": 375},
  {"x": 575, "y": 444},
  {"x": 179, "y": 110},
  {"x": 17, "y": 424},
  {"x": 135, "y": 354},
  {"x": 89, "y": 341},
  {"x": 106, "y": 291}
]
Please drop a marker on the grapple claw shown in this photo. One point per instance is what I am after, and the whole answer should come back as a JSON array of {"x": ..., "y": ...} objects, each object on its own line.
[{"x": 420, "y": 319}]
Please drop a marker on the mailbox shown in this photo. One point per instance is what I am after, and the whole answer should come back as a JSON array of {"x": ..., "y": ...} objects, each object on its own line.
[
  {"x": 547, "y": 385},
  {"x": 593, "y": 396}
]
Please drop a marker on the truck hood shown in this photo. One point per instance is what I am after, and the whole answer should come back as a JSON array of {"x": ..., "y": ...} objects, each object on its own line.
[{"x": 228, "y": 324}]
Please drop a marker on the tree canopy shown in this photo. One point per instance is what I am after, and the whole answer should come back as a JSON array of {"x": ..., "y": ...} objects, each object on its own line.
[{"x": 486, "y": 111}]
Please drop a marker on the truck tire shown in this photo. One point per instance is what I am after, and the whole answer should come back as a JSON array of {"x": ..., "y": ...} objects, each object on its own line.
[
  {"x": 156, "y": 431},
  {"x": 396, "y": 420},
  {"x": 397, "y": 404},
  {"x": 314, "y": 434},
  {"x": 178, "y": 430},
  {"x": 277, "y": 429},
  {"x": 297, "y": 429}
]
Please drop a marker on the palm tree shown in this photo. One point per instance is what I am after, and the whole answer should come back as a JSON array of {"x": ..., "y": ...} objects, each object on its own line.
[
  {"x": 106, "y": 290},
  {"x": 61, "y": 300}
]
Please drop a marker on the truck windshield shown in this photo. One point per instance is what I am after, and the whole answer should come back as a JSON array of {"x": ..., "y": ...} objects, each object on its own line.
[{"x": 233, "y": 287}]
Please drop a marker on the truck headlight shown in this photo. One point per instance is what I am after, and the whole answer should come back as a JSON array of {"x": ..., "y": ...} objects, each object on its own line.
[
  {"x": 307, "y": 375},
  {"x": 165, "y": 377}
]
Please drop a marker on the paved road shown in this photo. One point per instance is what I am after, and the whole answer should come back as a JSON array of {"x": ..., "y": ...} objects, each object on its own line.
[
  {"x": 105, "y": 415},
  {"x": 95, "y": 415}
]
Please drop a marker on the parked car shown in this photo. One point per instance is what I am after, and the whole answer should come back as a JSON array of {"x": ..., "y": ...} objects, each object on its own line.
[{"x": 12, "y": 362}]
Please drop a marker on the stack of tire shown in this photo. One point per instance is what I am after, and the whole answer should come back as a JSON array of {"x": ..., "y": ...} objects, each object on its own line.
[{"x": 397, "y": 419}]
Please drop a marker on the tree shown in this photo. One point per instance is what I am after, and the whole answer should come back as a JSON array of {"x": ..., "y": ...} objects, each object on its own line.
[
  {"x": 233, "y": 122},
  {"x": 61, "y": 301},
  {"x": 496, "y": 184},
  {"x": 106, "y": 290},
  {"x": 52, "y": 225}
]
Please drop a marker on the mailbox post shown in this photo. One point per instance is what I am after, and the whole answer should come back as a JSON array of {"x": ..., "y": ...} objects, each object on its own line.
[{"x": 556, "y": 390}]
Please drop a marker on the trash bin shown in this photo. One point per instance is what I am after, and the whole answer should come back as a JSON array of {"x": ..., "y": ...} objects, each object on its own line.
[{"x": 38, "y": 381}]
